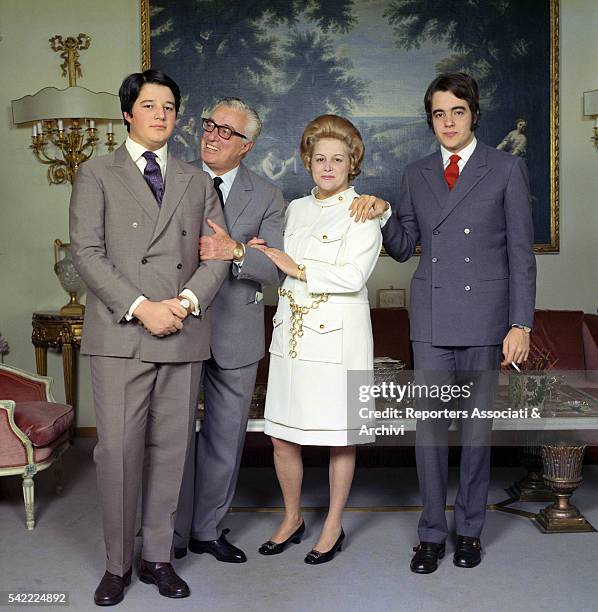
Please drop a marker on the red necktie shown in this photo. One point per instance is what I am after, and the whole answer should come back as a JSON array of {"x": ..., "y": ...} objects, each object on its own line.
[{"x": 451, "y": 172}]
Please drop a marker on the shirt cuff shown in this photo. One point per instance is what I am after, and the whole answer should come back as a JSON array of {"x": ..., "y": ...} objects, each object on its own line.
[
  {"x": 386, "y": 215},
  {"x": 193, "y": 299},
  {"x": 130, "y": 316},
  {"x": 520, "y": 326}
]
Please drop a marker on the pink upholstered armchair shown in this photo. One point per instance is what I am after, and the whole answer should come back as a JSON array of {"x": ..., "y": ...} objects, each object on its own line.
[{"x": 34, "y": 430}]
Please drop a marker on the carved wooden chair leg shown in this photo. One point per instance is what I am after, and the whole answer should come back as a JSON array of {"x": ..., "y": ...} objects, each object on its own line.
[{"x": 29, "y": 497}]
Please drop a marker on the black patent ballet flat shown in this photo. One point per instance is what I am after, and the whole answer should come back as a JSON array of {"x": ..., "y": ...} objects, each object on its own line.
[
  {"x": 315, "y": 557},
  {"x": 274, "y": 548}
]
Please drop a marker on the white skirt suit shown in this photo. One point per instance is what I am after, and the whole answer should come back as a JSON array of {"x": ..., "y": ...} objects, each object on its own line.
[{"x": 306, "y": 401}]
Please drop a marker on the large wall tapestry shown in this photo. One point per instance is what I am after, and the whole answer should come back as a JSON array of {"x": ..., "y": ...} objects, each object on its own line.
[{"x": 371, "y": 61}]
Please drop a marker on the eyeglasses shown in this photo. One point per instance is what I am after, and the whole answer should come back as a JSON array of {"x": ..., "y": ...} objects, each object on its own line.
[{"x": 223, "y": 130}]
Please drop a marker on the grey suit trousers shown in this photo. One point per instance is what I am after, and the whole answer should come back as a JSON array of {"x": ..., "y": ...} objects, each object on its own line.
[
  {"x": 455, "y": 366},
  {"x": 143, "y": 416},
  {"x": 212, "y": 464}
]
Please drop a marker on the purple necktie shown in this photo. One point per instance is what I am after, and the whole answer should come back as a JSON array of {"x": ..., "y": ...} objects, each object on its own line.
[{"x": 153, "y": 176}]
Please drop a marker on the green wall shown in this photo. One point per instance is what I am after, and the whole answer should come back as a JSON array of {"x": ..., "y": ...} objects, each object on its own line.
[{"x": 32, "y": 213}]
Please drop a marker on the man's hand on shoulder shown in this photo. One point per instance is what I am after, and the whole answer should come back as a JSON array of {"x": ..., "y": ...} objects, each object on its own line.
[
  {"x": 161, "y": 318},
  {"x": 367, "y": 207},
  {"x": 217, "y": 246}
]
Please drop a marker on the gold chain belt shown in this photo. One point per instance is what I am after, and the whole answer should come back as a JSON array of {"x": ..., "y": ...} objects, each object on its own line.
[{"x": 297, "y": 313}]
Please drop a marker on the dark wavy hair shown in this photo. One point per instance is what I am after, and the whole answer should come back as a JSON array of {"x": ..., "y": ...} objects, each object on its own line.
[
  {"x": 461, "y": 85},
  {"x": 131, "y": 87}
]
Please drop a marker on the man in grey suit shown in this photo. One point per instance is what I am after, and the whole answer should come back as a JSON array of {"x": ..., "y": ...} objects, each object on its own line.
[
  {"x": 472, "y": 297},
  {"x": 252, "y": 207},
  {"x": 135, "y": 218}
]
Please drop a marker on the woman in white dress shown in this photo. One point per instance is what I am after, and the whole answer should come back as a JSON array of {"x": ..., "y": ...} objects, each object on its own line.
[{"x": 322, "y": 330}]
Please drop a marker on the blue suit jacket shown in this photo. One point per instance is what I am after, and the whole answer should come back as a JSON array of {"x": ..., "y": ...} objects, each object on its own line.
[{"x": 477, "y": 271}]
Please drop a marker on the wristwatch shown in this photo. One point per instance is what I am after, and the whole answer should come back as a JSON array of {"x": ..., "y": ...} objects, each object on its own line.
[
  {"x": 238, "y": 252},
  {"x": 525, "y": 328},
  {"x": 185, "y": 303}
]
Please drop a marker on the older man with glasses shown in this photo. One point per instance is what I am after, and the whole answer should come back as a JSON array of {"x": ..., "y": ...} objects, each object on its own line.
[{"x": 252, "y": 207}]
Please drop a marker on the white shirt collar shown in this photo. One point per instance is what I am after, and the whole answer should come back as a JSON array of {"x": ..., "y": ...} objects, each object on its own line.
[
  {"x": 345, "y": 196},
  {"x": 228, "y": 178},
  {"x": 136, "y": 151},
  {"x": 464, "y": 154}
]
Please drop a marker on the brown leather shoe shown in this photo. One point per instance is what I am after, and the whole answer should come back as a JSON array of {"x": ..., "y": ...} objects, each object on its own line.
[
  {"x": 164, "y": 577},
  {"x": 111, "y": 589}
]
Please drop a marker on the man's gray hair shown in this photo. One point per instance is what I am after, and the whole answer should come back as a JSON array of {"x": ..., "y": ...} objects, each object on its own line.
[{"x": 254, "y": 123}]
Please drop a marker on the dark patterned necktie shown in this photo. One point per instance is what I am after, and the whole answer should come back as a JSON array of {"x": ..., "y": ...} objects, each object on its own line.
[
  {"x": 217, "y": 182},
  {"x": 153, "y": 176},
  {"x": 451, "y": 172}
]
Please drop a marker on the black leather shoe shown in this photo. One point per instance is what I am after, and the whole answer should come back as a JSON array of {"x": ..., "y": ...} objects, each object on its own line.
[
  {"x": 111, "y": 589},
  {"x": 315, "y": 557},
  {"x": 468, "y": 552},
  {"x": 220, "y": 548},
  {"x": 425, "y": 560},
  {"x": 179, "y": 553},
  {"x": 275, "y": 548},
  {"x": 169, "y": 583}
]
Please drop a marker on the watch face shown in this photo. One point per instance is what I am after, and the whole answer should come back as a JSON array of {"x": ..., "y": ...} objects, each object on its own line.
[{"x": 185, "y": 303}]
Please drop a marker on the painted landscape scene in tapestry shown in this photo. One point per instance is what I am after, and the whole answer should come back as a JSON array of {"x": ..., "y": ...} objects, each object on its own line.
[{"x": 370, "y": 61}]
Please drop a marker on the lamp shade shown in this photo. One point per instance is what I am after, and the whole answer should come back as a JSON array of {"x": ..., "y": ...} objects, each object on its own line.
[
  {"x": 590, "y": 103},
  {"x": 70, "y": 103}
]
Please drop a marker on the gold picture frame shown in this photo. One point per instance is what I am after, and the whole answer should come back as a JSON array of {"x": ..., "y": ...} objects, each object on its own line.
[
  {"x": 391, "y": 298},
  {"x": 161, "y": 39}
]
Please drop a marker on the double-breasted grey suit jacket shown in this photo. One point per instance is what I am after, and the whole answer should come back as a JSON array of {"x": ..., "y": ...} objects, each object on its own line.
[
  {"x": 477, "y": 271},
  {"x": 124, "y": 245},
  {"x": 254, "y": 207}
]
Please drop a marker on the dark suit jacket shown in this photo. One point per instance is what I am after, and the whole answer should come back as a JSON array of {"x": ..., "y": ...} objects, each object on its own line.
[
  {"x": 254, "y": 207},
  {"x": 477, "y": 271},
  {"x": 124, "y": 245}
]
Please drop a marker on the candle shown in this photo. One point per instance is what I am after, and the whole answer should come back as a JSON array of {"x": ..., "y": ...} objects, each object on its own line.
[
  {"x": 39, "y": 127},
  {"x": 110, "y": 131},
  {"x": 60, "y": 125},
  {"x": 92, "y": 124},
  {"x": 34, "y": 130}
]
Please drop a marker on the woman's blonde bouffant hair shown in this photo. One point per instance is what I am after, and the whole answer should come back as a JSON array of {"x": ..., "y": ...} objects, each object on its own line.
[{"x": 333, "y": 126}]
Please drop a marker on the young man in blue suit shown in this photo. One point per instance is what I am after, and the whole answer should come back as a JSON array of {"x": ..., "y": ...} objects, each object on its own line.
[{"x": 472, "y": 298}]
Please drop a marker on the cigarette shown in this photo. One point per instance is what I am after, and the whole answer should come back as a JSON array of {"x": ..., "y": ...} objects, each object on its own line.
[{"x": 515, "y": 366}]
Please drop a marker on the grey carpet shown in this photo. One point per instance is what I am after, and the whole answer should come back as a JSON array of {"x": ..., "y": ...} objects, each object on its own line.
[{"x": 523, "y": 570}]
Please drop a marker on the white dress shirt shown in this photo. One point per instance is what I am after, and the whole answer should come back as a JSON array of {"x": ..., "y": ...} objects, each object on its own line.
[
  {"x": 228, "y": 178},
  {"x": 136, "y": 152},
  {"x": 464, "y": 154}
]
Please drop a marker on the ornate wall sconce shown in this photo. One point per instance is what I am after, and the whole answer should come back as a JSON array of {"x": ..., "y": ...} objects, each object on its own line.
[
  {"x": 590, "y": 109},
  {"x": 64, "y": 134}
]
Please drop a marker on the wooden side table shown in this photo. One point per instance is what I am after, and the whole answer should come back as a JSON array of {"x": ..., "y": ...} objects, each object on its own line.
[{"x": 61, "y": 332}]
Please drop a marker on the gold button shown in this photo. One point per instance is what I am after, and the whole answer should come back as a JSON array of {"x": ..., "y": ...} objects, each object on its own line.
[
  {"x": 321, "y": 325},
  {"x": 341, "y": 198},
  {"x": 325, "y": 237}
]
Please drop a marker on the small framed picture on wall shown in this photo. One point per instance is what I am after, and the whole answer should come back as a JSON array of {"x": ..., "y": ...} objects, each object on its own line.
[{"x": 391, "y": 298}]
